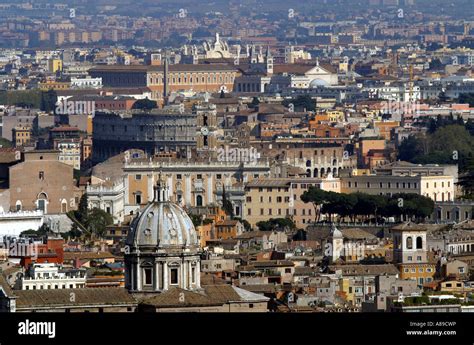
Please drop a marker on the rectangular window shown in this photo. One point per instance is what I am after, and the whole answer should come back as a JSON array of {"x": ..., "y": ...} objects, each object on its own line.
[
  {"x": 174, "y": 276},
  {"x": 138, "y": 177},
  {"x": 193, "y": 275},
  {"x": 148, "y": 276}
]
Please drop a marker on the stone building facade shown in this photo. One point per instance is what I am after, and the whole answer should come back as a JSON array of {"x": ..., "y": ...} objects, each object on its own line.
[
  {"x": 153, "y": 132},
  {"x": 196, "y": 77},
  {"x": 192, "y": 184},
  {"x": 42, "y": 182}
]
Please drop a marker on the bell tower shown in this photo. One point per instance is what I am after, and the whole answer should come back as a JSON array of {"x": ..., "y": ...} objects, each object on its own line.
[{"x": 206, "y": 140}]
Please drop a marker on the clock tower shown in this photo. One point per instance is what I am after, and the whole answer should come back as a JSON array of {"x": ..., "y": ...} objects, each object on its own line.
[{"x": 206, "y": 139}]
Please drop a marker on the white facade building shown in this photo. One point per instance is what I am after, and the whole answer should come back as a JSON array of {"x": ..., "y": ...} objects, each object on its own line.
[
  {"x": 49, "y": 276},
  {"x": 14, "y": 223},
  {"x": 108, "y": 197}
]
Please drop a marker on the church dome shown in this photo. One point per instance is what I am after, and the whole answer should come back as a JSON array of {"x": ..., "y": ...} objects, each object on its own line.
[
  {"x": 318, "y": 82},
  {"x": 162, "y": 224}
]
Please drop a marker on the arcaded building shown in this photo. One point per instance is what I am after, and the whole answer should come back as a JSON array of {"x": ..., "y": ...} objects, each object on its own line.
[{"x": 153, "y": 132}]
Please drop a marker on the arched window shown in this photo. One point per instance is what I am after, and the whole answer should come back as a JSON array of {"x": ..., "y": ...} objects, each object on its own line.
[
  {"x": 409, "y": 242},
  {"x": 419, "y": 242},
  {"x": 199, "y": 200},
  {"x": 41, "y": 202},
  {"x": 308, "y": 163}
]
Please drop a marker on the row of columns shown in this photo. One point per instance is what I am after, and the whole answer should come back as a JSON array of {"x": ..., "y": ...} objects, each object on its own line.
[{"x": 161, "y": 278}]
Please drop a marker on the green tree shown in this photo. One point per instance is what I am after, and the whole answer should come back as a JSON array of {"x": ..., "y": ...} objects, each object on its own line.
[
  {"x": 411, "y": 148},
  {"x": 5, "y": 143},
  {"x": 301, "y": 103},
  {"x": 467, "y": 98},
  {"x": 317, "y": 197},
  {"x": 466, "y": 180},
  {"x": 48, "y": 100},
  {"x": 450, "y": 143},
  {"x": 276, "y": 224},
  {"x": 245, "y": 223},
  {"x": 82, "y": 212},
  {"x": 255, "y": 102},
  {"x": 97, "y": 221}
]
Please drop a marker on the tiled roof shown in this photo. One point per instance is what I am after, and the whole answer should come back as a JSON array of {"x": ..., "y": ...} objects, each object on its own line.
[
  {"x": 365, "y": 270},
  {"x": 357, "y": 234},
  {"x": 261, "y": 288},
  {"x": 213, "y": 295},
  {"x": 250, "y": 234},
  {"x": 87, "y": 255},
  {"x": 62, "y": 297}
]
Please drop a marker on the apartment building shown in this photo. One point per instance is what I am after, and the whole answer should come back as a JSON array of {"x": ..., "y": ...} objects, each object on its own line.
[
  {"x": 438, "y": 188},
  {"x": 281, "y": 198}
]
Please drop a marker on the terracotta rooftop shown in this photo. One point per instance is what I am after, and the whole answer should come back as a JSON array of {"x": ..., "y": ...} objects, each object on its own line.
[{"x": 28, "y": 299}]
